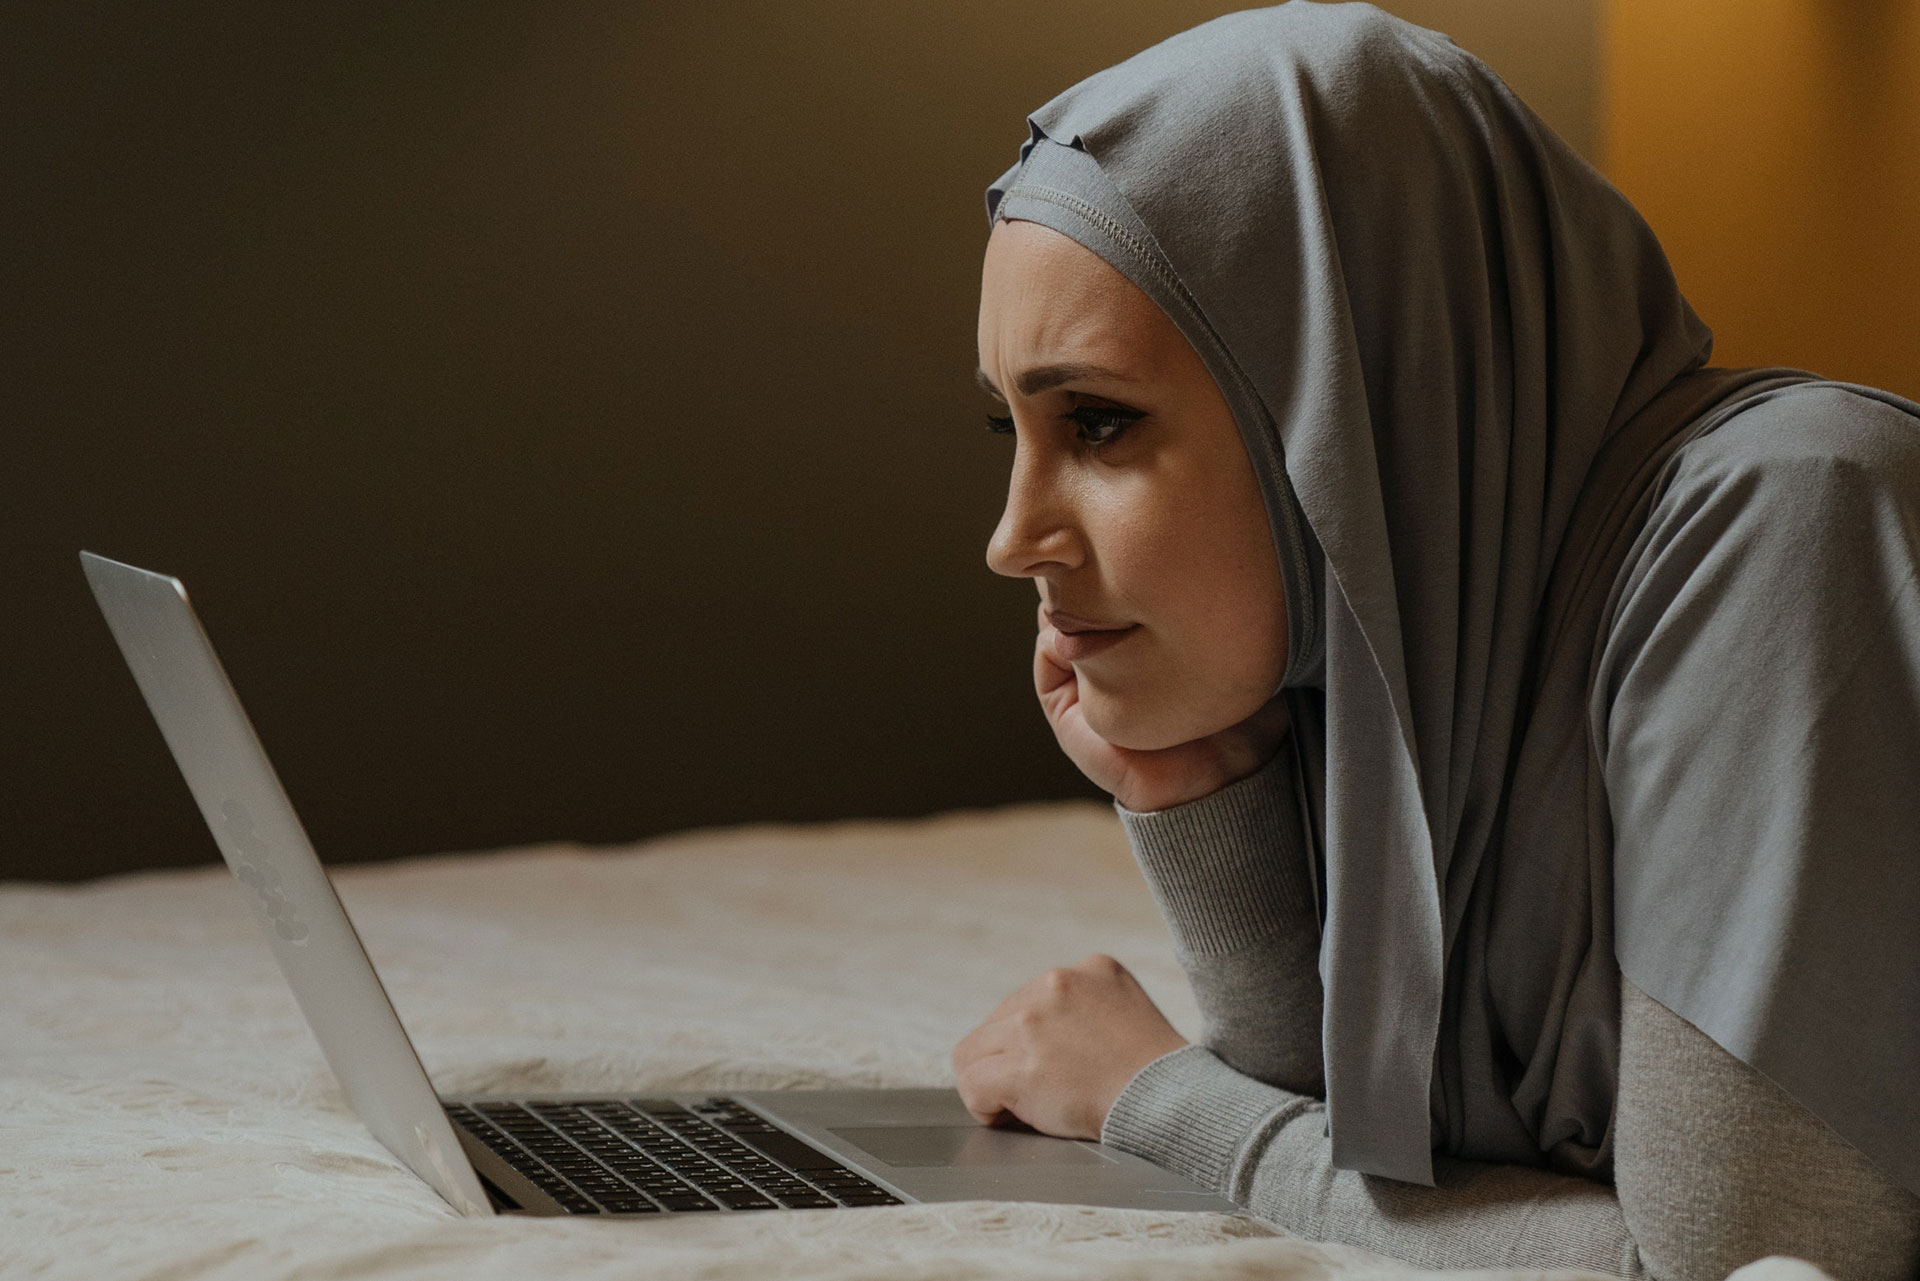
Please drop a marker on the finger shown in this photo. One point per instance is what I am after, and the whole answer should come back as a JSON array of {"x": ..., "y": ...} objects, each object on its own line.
[
  {"x": 1028, "y": 995},
  {"x": 1050, "y": 672},
  {"x": 1103, "y": 966},
  {"x": 986, "y": 1089},
  {"x": 1098, "y": 759},
  {"x": 991, "y": 1037},
  {"x": 1032, "y": 995}
]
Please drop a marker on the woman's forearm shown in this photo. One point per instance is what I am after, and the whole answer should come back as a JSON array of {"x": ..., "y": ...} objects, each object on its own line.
[
  {"x": 1231, "y": 875},
  {"x": 1715, "y": 1165},
  {"x": 1267, "y": 1148},
  {"x": 1241, "y": 1112}
]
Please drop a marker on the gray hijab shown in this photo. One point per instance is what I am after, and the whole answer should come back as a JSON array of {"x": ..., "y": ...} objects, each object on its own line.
[{"x": 1463, "y": 371}]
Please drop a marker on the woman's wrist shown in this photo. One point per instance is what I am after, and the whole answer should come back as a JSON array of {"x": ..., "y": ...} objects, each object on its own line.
[
  {"x": 1193, "y": 771},
  {"x": 1168, "y": 794},
  {"x": 1230, "y": 868},
  {"x": 1190, "y": 1112}
]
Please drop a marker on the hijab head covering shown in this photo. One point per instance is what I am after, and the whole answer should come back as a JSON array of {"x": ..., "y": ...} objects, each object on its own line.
[{"x": 1458, "y": 360}]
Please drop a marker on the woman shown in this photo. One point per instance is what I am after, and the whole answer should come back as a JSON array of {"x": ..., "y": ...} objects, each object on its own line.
[{"x": 1559, "y": 908}]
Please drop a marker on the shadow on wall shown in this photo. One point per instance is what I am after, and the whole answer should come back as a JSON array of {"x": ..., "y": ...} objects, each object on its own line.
[{"x": 562, "y": 414}]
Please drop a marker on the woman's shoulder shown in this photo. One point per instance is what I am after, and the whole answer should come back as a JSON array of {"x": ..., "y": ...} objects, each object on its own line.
[
  {"x": 1804, "y": 494},
  {"x": 1813, "y": 426}
]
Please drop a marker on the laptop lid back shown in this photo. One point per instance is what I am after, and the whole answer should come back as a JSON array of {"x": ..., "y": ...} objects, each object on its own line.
[{"x": 261, "y": 838}]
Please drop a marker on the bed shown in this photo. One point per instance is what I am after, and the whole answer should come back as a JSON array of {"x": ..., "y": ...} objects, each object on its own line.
[{"x": 165, "y": 1113}]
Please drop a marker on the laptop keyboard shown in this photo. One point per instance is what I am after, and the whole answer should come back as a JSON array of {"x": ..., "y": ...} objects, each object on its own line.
[{"x": 645, "y": 1156}]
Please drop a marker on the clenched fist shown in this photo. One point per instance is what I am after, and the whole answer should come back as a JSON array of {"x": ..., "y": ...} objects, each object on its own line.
[{"x": 1059, "y": 1051}]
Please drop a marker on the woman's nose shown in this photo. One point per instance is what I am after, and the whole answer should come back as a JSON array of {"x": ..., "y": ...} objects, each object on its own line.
[{"x": 1036, "y": 532}]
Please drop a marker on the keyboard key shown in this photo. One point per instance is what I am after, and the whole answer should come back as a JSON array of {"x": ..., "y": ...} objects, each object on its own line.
[
  {"x": 793, "y": 1153},
  {"x": 630, "y": 1205},
  {"x": 807, "y": 1201},
  {"x": 790, "y": 1189},
  {"x": 683, "y": 1203},
  {"x": 749, "y": 1203},
  {"x": 690, "y": 1125}
]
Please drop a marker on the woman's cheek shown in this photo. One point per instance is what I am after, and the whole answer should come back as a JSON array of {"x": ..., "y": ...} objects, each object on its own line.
[{"x": 1144, "y": 703}]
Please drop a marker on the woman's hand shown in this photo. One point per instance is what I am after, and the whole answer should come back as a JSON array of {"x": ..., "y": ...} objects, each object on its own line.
[
  {"x": 1155, "y": 780},
  {"x": 1059, "y": 1051}
]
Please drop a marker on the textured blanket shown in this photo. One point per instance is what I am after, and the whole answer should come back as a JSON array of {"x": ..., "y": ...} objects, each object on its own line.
[{"x": 165, "y": 1113}]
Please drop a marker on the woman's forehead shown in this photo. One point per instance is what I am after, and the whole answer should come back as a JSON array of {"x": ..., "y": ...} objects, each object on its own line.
[{"x": 1045, "y": 297}]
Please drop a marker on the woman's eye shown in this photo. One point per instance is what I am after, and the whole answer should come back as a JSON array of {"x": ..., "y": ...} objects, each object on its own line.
[{"x": 1098, "y": 426}]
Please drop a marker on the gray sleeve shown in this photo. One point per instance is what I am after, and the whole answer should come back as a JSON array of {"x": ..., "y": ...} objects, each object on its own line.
[
  {"x": 1712, "y": 1159},
  {"x": 1718, "y": 1166},
  {"x": 1231, "y": 875},
  {"x": 1267, "y": 1149}
]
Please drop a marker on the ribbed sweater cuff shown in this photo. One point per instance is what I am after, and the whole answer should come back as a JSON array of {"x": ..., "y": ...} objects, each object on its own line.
[
  {"x": 1190, "y": 1112},
  {"x": 1228, "y": 869}
]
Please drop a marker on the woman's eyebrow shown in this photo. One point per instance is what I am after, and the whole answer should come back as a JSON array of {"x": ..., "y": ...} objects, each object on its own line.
[{"x": 1031, "y": 382}]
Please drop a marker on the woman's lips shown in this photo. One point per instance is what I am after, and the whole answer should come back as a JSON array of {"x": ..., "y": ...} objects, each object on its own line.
[
  {"x": 1075, "y": 646},
  {"x": 1076, "y": 638}
]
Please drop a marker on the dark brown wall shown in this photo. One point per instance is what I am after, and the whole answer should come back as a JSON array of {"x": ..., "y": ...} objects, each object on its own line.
[{"x": 560, "y": 412}]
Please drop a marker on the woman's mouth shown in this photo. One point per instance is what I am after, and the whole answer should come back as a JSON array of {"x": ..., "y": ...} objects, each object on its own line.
[{"x": 1078, "y": 638}]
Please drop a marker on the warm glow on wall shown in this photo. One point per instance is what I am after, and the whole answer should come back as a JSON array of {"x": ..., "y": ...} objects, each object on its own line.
[{"x": 1775, "y": 147}]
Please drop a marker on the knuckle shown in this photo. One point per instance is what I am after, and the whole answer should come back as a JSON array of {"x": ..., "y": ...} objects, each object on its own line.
[
  {"x": 971, "y": 1083},
  {"x": 979, "y": 1093}
]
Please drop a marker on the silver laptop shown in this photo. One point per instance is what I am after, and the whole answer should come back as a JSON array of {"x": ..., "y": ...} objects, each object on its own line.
[{"x": 647, "y": 1152}]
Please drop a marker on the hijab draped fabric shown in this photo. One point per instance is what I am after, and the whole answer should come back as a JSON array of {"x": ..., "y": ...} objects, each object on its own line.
[{"x": 1462, "y": 369}]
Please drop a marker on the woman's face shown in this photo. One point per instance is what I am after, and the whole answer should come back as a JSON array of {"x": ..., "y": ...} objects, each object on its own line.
[{"x": 1133, "y": 505}]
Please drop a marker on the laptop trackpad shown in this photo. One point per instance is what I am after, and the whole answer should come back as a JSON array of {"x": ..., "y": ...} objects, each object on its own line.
[{"x": 926, "y": 1146}]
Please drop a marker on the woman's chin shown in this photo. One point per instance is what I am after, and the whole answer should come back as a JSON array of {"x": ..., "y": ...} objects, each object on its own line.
[{"x": 1135, "y": 724}]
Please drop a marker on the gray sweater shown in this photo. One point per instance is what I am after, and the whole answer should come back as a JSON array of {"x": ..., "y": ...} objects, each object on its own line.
[{"x": 1714, "y": 1165}]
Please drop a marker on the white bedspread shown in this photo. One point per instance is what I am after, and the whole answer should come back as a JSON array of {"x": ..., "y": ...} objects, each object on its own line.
[{"x": 165, "y": 1113}]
